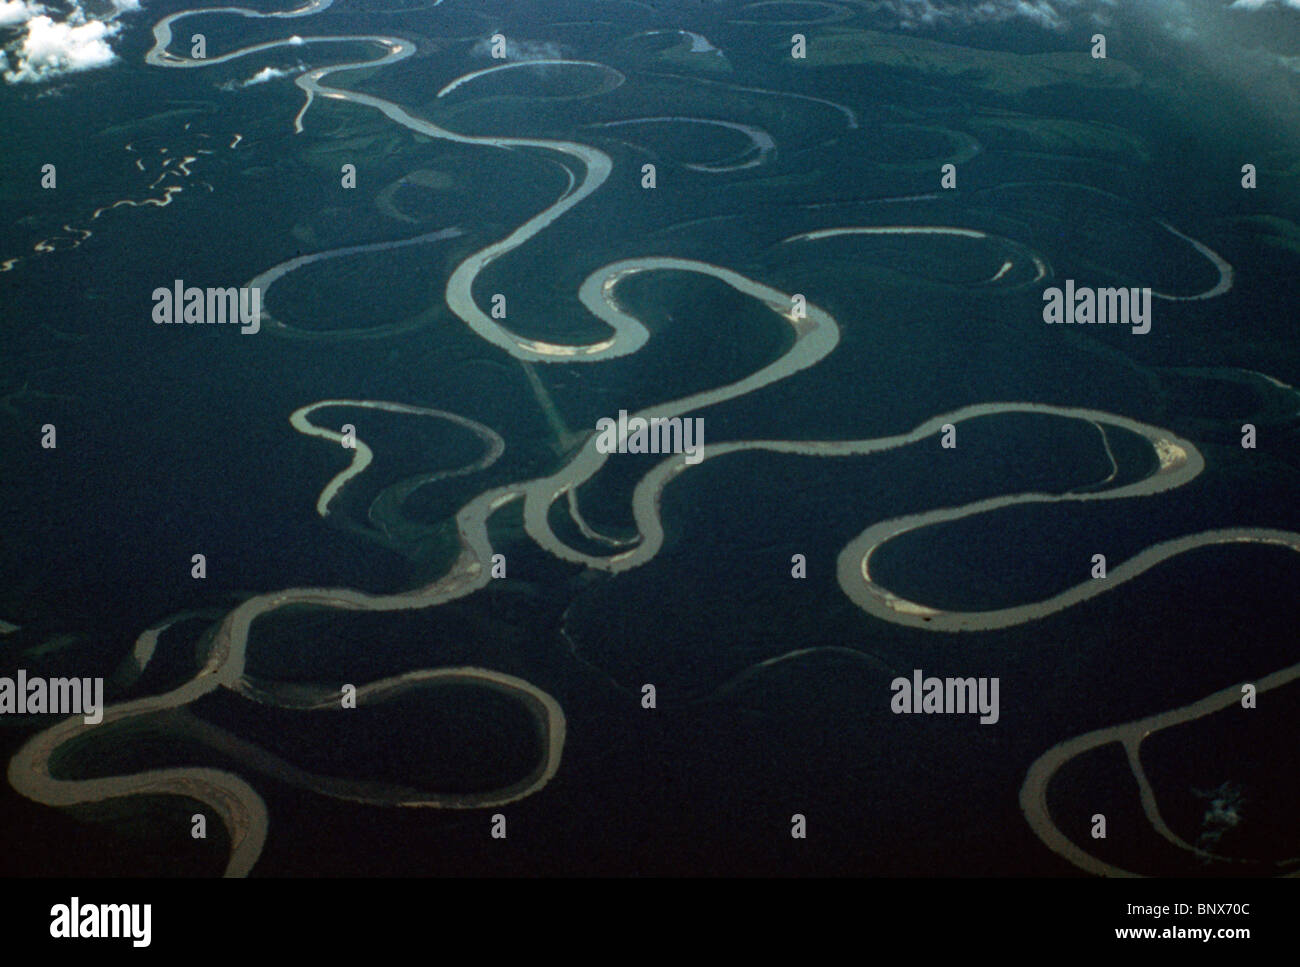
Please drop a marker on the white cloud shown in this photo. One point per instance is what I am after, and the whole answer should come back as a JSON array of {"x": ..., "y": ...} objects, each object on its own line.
[
  {"x": 264, "y": 75},
  {"x": 935, "y": 13},
  {"x": 47, "y": 47},
  {"x": 521, "y": 49},
  {"x": 14, "y": 12},
  {"x": 1262, "y": 4},
  {"x": 51, "y": 48}
]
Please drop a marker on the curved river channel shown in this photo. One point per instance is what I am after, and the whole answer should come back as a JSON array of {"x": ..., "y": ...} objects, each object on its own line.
[{"x": 815, "y": 334}]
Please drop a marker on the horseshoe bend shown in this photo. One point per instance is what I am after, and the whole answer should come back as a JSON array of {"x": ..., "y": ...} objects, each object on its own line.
[{"x": 437, "y": 575}]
